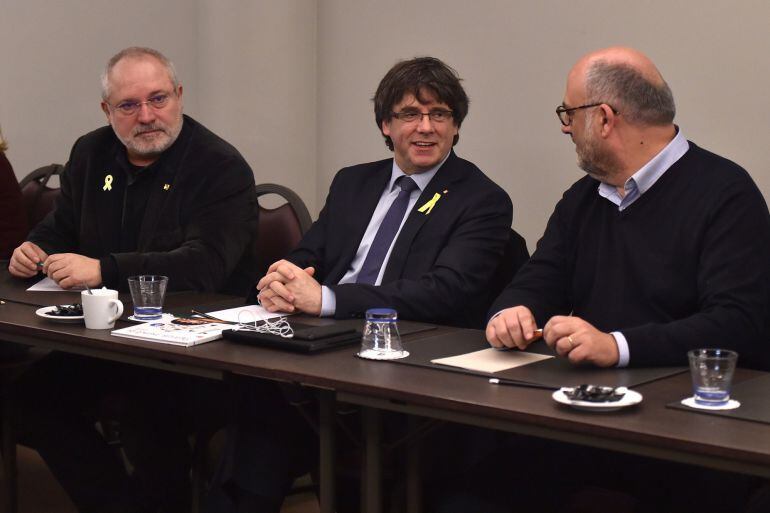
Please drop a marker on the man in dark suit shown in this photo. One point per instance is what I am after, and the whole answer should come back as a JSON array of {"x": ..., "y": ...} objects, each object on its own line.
[
  {"x": 423, "y": 233},
  {"x": 446, "y": 243}
]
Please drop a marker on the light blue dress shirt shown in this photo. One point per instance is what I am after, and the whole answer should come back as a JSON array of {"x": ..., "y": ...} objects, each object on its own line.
[
  {"x": 389, "y": 194},
  {"x": 639, "y": 183}
]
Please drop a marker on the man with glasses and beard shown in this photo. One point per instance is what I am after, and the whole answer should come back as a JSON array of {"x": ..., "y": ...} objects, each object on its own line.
[
  {"x": 663, "y": 247},
  {"x": 153, "y": 193}
]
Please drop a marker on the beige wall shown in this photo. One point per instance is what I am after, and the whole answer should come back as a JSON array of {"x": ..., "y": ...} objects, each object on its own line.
[
  {"x": 289, "y": 82},
  {"x": 514, "y": 57},
  {"x": 248, "y": 69}
]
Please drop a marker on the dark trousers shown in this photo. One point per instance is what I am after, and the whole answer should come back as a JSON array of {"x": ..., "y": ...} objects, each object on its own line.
[
  {"x": 61, "y": 398},
  {"x": 269, "y": 444},
  {"x": 532, "y": 474}
]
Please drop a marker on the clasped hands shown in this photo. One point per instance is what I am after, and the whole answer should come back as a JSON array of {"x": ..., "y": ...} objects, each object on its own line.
[
  {"x": 66, "y": 269},
  {"x": 570, "y": 336},
  {"x": 289, "y": 288}
]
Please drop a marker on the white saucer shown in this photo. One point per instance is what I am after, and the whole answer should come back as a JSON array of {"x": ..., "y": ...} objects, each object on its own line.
[
  {"x": 729, "y": 405},
  {"x": 166, "y": 317},
  {"x": 371, "y": 354},
  {"x": 630, "y": 398},
  {"x": 44, "y": 313}
]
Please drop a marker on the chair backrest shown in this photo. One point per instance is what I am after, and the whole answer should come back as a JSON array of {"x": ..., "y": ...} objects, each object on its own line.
[
  {"x": 38, "y": 197},
  {"x": 280, "y": 229}
]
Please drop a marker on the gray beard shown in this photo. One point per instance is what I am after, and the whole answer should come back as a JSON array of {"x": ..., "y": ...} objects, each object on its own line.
[
  {"x": 594, "y": 160},
  {"x": 156, "y": 147}
]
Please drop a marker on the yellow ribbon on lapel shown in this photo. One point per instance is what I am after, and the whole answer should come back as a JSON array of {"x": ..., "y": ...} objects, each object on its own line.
[
  {"x": 430, "y": 204},
  {"x": 107, "y": 183}
]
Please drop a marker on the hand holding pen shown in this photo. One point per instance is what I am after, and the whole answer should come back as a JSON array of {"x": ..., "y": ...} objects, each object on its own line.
[
  {"x": 27, "y": 260},
  {"x": 513, "y": 327}
]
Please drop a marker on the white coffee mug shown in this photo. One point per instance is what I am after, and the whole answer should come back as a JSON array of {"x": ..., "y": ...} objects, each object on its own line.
[{"x": 101, "y": 307}]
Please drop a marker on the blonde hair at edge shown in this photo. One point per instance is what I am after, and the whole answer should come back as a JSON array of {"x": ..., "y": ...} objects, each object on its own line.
[{"x": 3, "y": 144}]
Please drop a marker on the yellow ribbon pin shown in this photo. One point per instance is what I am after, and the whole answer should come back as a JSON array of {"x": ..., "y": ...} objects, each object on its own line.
[
  {"x": 107, "y": 183},
  {"x": 430, "y": 204}
]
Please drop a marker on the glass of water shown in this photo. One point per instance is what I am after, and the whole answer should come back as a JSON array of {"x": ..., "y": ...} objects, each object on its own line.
[
  {"x": 381, "y": 340},
  {"x": 147, "y": 294},
  {"x": 712, "y": 375}
]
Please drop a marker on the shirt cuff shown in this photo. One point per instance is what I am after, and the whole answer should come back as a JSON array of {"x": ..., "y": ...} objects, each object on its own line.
[
  {"x": 328, "y": 302},
  {"x": 623, "y": 353}
]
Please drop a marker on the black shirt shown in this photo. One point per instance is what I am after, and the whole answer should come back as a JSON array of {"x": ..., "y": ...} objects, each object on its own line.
[{"x": 191, "y": 215}]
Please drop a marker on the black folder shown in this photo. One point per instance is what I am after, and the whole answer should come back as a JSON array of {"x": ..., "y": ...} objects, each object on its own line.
[
  {"x": 553, "y": 372},
  {"x": 312, "y": 339}
]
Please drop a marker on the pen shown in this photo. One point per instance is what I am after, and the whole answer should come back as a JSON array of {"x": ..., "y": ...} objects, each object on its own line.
[
  {"x": 207, "y": 316},
  {"x": 517, "y": 383}
]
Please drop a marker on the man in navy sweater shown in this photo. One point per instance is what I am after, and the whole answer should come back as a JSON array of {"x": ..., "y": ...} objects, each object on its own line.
[{"x": 663, "y": 247}]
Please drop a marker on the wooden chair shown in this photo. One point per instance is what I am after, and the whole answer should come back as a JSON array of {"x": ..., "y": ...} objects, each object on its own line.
[
  {"x": 39, "y": 198},
  {"x": 281, "y": 228}
]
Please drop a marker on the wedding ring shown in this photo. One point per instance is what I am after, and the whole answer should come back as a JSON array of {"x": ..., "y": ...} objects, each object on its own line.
[{"x": 571, "y": 342}]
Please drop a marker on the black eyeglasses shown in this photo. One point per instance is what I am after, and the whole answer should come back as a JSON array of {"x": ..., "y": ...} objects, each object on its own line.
[
  {"x": 565, "y": 113},
  {"x": 410, "y": 116}
]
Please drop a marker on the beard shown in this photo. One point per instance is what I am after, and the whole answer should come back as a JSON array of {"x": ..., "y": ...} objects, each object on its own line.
[
  {"x": 592, "y": 157},
  {"x": 159, "y": 142}
]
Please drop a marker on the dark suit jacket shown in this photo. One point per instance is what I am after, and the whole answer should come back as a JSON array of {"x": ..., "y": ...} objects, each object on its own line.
[
  {"x": 198, "y": 225},
  {"x": 442, "y": 262}
]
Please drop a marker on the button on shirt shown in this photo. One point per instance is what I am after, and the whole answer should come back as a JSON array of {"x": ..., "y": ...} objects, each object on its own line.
[
  {"x": 639, "y": 183},
  {"x": 389, "y": 194}
]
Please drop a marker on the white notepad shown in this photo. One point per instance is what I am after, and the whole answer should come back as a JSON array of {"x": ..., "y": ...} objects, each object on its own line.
[{"x": 491, "y": 360}]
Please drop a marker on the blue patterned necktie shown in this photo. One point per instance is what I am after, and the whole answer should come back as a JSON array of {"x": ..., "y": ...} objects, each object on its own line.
[{"x": 386, "y": 232}]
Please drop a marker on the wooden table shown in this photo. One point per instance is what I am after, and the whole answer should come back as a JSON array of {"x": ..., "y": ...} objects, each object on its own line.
[{"x": 649, "y": 429}]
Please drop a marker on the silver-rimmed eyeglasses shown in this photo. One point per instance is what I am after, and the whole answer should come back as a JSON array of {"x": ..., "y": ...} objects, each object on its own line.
[
  {"x": 130, "y": 107},
  {"x": 436, "y": 115}
]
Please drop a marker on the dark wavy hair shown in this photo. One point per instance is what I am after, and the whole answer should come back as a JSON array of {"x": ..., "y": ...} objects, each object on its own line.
[{"x": 417, "y": 76}]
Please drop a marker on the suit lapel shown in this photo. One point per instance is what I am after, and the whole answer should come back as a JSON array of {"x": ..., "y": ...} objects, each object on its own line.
[
  {"x": 155, "y": 203},
  {"x": 110, "y": 187},
  {"x": 443, "y": 181},
  {"x": 366, "y": 200}
]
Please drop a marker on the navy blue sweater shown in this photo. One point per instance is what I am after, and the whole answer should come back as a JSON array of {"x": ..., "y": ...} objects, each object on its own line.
[{"x": 685, "y": 266}]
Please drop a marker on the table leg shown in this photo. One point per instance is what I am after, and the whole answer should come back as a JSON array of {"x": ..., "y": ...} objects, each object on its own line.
[
  {"x": 9, "y": 479},
  {"x": 326, "y": 476},
  {"x": 371, "y": 494},
  {"x": 413, "y": 481}
]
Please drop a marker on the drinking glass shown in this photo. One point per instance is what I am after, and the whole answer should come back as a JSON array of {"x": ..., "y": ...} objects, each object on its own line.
[
  {"x": 147, "y": 294},
  {"x": 381, "y": 340},
  {"x": 712, "y": 375}
]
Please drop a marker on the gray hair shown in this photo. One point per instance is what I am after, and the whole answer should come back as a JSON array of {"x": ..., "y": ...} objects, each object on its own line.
[
  {"x": 627, "y": 90},
  {"x": 136, "y": 52}
]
